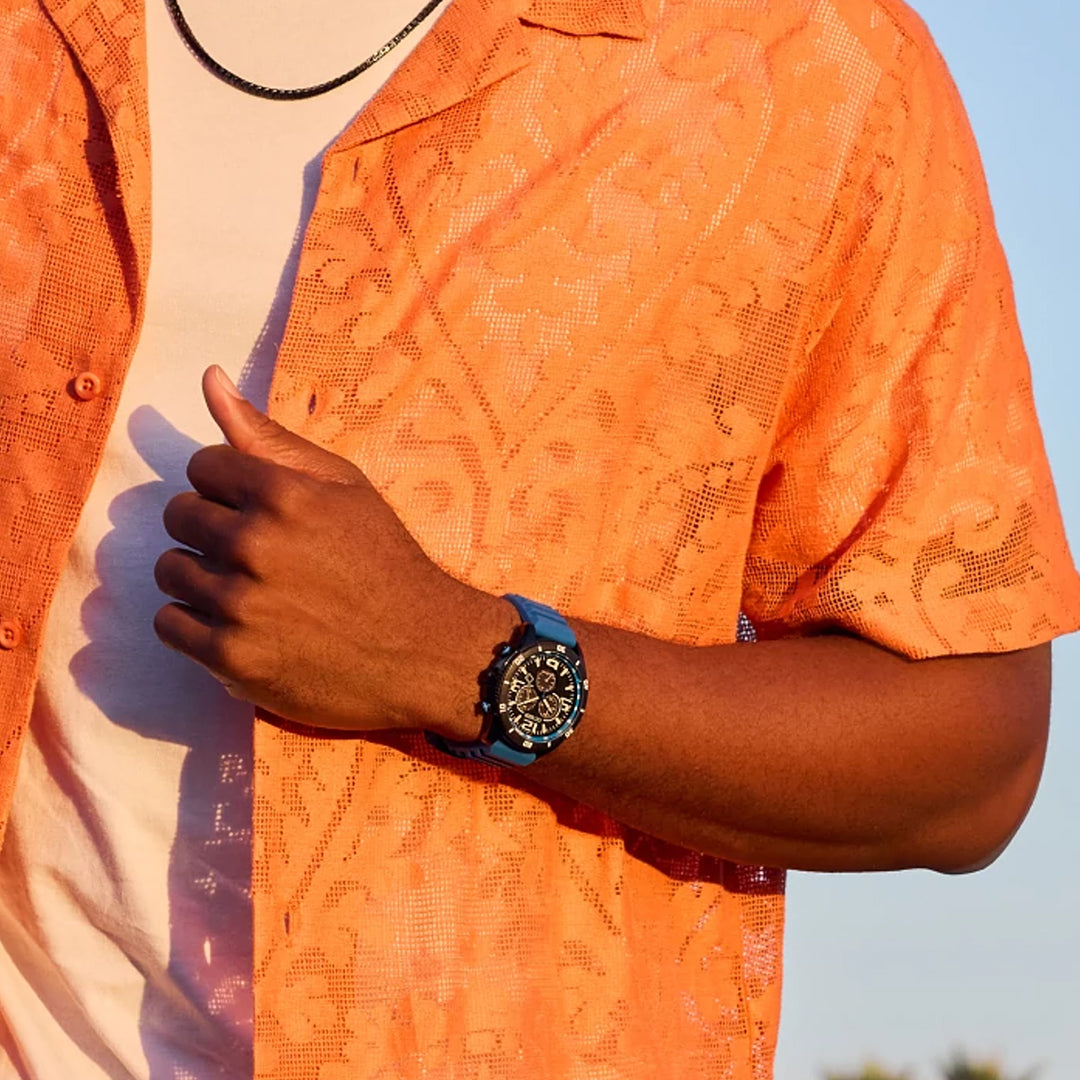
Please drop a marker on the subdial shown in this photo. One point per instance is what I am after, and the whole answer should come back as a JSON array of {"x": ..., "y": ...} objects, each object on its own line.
[
  {"x": 526, "y": 698},
  {"x": 549, "y": 707},
  {"x": 545, "y": 681}
]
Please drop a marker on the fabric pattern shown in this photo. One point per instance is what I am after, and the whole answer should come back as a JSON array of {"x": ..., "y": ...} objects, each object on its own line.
[{"x": 644, "y": 312}]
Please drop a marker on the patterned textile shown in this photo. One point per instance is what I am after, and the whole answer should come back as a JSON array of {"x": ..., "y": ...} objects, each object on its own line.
[{"x": 643, "y": 308}]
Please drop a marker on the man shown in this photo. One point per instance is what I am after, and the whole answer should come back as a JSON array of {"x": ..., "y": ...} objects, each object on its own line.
[{"x": 645, "y": 315}]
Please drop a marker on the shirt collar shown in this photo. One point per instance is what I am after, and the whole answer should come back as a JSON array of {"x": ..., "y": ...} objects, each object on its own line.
[
  {"x": 109, "y": 41},
  {"x": 480, "y": 42},
  {"x": 476, "y": 43},
  {"x": 619, "y": 18}
]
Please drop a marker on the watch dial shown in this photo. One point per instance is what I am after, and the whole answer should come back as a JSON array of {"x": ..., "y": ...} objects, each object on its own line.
[{"x": 541, "y": 694}]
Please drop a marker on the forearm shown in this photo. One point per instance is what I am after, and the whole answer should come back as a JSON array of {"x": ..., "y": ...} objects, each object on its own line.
[
  {"x": 300, "y": 589},
  {"x": 824, "y": 753}
]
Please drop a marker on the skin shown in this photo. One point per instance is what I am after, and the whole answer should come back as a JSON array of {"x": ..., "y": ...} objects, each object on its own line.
[{"x": 826, "y": 753}]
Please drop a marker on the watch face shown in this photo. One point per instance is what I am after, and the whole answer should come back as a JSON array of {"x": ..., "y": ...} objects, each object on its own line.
[{"x": 541, "y": 694}]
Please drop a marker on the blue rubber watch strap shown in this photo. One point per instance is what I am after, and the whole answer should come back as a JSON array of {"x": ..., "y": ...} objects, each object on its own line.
[
  {"x": 495, "y": 753},
  {"x": 547, "y": 622},
  {"x": 504, "y": 754}
]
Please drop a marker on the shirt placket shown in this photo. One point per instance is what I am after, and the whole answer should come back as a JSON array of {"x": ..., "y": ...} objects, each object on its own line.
[{"x": 81, "y": 320}]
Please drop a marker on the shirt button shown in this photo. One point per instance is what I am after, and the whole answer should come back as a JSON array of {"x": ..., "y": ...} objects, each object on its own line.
[
  {"x": 87, "y": 385},
  {"x": 10, "y": 634}
]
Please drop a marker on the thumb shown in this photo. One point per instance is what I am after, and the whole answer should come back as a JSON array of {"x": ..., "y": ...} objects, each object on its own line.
[{"x": 253, "y": 432}]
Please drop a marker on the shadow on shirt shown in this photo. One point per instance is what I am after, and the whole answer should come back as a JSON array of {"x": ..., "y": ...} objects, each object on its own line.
[
  {"x": 196, "y": 1013},
  {"x": 196, "y": 1020}
]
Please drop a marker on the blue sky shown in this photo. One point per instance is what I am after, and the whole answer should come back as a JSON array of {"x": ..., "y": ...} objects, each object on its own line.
[{"x": 904, "y": 967}]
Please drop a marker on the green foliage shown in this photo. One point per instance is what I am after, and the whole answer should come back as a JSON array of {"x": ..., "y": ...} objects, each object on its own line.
[
  {"x": 961, "y": 1067},
  {"x": 958, "y": 1067},
  {"x": 869, "y": 1071}
]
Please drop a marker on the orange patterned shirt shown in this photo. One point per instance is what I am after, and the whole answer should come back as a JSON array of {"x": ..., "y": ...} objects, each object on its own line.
[{"x": 648, "y": 309}]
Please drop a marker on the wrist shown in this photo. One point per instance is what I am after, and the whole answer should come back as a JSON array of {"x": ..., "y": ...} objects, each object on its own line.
[
  {"x": 532, "y": 695},
  {"x": 473, "y": 624}
]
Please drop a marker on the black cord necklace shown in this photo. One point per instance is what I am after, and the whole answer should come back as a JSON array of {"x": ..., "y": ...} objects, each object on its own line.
[{"x": 281, "y": 94}]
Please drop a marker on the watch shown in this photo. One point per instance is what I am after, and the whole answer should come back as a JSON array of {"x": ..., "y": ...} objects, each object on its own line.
[{"x": 533, "y": 694}]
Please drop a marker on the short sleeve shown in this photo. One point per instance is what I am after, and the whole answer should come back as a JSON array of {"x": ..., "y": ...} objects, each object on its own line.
[{"x": 907, "y": 498}]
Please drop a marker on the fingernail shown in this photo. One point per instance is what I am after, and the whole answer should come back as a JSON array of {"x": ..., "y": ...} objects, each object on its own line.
[{"x": 226, "y": 383}]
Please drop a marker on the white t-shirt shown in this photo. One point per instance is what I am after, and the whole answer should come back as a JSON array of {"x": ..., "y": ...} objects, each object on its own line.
[{"x": 125, "y": 917}]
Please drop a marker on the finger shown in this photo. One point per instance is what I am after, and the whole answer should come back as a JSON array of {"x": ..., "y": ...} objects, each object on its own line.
[
  {"x": 199, "y": 638},
  {"x": 188, "y": 631},
  {"x": 253, "y": 432},
  {"x": 227, "y": 476},
  {"x": 201, "y": 584},
  {"x": 202, "y": 524}
]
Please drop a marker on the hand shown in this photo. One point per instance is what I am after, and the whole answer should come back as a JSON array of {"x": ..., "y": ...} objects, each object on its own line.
[{"x": 301, "y": 591}]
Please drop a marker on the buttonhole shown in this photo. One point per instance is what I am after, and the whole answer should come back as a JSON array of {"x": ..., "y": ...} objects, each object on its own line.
[
  {"x": 287, "y": 922},
  {"x": 311, "y": 404}
]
